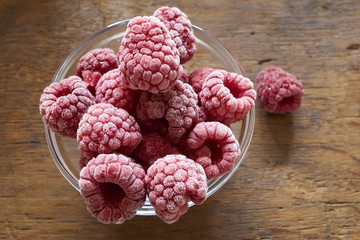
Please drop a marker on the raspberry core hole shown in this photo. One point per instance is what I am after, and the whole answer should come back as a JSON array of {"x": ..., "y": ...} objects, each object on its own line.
[
  {"x": 234, "y": 90},
  {"x": 216, "y": 152},
  {"x": 112, "y": 193},
  {"x": 287, "y": 101}
]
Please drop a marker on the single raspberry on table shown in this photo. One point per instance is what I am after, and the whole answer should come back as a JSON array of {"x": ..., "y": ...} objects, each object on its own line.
[
  {"x": 214, "y": 146},
  {"x": 94, "y": 64},
  {"x": 171, "y": 182},
  {"x": 180, "y": 29},
  {"x": 148, "y": 57},
  {"x": 113, "y": 187},
  {"x": 227, "y": 97},
  {"x": 111, "y": 89},
  {"x": 172, "y": 113},
  {"x": 278, "y": 90},
  {"x": 63, "y": 104},
  {"x": 106, "y": 129},
  {"x": 152, "y": 147}
]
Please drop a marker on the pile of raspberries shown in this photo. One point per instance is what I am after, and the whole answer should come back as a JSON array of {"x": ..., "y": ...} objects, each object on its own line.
[{"x": 145, "y": 127}]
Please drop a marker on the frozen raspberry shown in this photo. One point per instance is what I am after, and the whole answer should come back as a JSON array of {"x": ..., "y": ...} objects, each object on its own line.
[
  {"x": 111, "y": 89},
  {"x": 172, "y": 113},
  {"x": 106, "y": 129},
  {"x": 197, "y": 78},
  {"x": 171, "y": 182},
  {"x": 152, "y": 147},
  {"x": 94, "y": 64},
  {"x": 227, "y": 97},
  {"x": 63, "y": 104},
  {"x": 214, "y": 146},
  {"x": 279, "y": 91},
  {"x": 113, "y": 187},
  {"x": 149, "y": 59},
  {"x": 180, "y": 29}
]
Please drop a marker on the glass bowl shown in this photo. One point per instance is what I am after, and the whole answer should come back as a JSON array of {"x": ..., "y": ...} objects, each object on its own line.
[{"x": 210, "y": 53}]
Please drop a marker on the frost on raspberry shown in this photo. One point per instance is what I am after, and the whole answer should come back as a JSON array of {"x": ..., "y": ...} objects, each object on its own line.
[
  {"x": 214, "y": 146},
  {"x": 278, "y": 90},
  {"x": 111, "y": 89},
  {"x": 152, "y": 147},
  {"x": 180, "y": 29},
  {"x": 63, "y": 104},
  {"x": 107, "y": 129},
  {"x": 148, "y": 57},
  {"x": 172, "y": 113},
  {"x": 113, "y": 187},
  {"x": 171, "y": 182},
  {"x": 94, "y": 64},
  {"x": 227, "y": 97}
]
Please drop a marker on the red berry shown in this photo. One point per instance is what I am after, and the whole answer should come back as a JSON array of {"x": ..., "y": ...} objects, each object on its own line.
[
  {"x": 180, "y": 29},
  {"x": 149, "y": 59},
  {"x": 152, "y": 147},
  {"x": 107, "y": 129},
  {"x": 197, "y": 78},
  {"x": 171, "y": 182},
  {"x": 279, "y": 91},
  {"x": 94, "y": 64},
  {"x": 214, "y": 146},
  {"x": 113, "y": 187},
  {"x": 63, "y": 104},
  {"x": 172, "y": 113},
  {"x": 227, "y": 97},
  {"x": 111, "y": 89}
]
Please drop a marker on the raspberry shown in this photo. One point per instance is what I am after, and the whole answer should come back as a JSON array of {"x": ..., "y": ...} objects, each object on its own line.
[
  {"x": 111, "y": 89},
  {"x": 148, "y": 56},
  {"x": 63, "y": 104},
  {"x": 171, "y": 182},
  {"x": 214, "y": 146},
  {"x": 113, "y": 187},
  {"x": 180, "y": 29},
  {"x": 152, "y": 147},
  {"x": 197, "y": 78},
  {"x": 94, "y": 64},
  {"x": 106, "y": 129},
  {"x": 279, "y": 91},
  {"x": 172, "y": 113},
  {"x": 227, "y": 97}
]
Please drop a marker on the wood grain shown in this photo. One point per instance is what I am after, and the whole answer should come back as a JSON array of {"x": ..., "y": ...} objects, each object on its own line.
[{"x": 301, "y": 176}]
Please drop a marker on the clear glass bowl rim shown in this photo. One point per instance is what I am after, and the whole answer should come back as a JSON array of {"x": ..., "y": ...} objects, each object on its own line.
[{"x": 247, "y": 123}]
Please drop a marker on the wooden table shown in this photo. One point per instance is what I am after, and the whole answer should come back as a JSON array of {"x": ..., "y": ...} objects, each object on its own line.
[{"x": 301, "y": 176}]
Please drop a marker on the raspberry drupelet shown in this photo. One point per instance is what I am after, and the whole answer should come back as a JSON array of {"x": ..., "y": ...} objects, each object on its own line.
[
  {"x": 171, "y": 182},
  {"x": 94, "y": 64},
  {"x": 180, "y": 29},
  {"x": 148, "y": 57},
  {"x": 63, "y": 104},
  {"x": 278, "y": 90},
  {"x": 107, "y": 129},
  {"x": 172, "y": 113},
  {"x": 111, "y": 89},
  {"x": 113, "y": 187},
  {"x": 214, "y": 146},
  {"x": 227, "y": 97},
  {"x": 152, "y": 147}
]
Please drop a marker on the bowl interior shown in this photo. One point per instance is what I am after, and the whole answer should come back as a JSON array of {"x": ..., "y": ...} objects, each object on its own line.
[{"x": 210, "y": 53}]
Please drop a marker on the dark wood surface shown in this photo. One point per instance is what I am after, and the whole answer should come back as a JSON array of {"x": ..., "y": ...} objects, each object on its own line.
[{"x": 301, "y": 176}]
